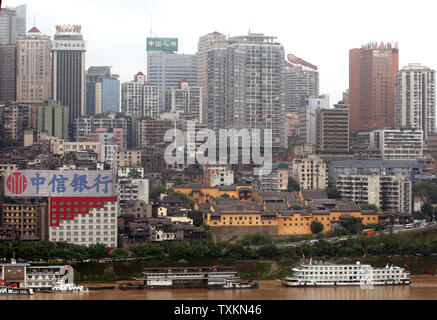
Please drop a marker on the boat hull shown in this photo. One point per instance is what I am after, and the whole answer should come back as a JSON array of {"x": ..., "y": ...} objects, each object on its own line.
[{"x": 342, "y": 284}]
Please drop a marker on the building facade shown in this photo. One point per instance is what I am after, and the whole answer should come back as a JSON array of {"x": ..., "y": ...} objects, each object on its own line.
[
  {"x": 84, "y": 220},
  {"x": 206, "y": 43},
  {"x": 398, "y": 144},
  {"x": 139, "y": 98},
  {"x": 307, "y": 118},
  {"x": 53, "y": 118},
  {"x": 14, "y": 120},
  {"x": 372, "y": 74},
  {"x": 310, "y": 172},
  {"x": 332, "y": 129},
  {"x": 33, "y": 67},
  {"x": 102, "y": 91},
  {"x": 387, "y": 192},
  {"x": 8, "y": 73},
  {"x": 186, "y": 98},
  {"x": 166, "y": 69},
  {"x": 415, "y": 99},
  {"x": 12, "y": 23},
  {"x": 68, "y": 72},
  {"x": 301, "y": 82}
]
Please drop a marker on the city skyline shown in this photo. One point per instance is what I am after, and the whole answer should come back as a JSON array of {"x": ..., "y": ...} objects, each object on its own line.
[{"x": 116, "y": 32}]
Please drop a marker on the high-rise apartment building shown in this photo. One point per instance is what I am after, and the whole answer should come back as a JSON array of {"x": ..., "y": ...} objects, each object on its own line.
[
  {"x": 33, "y": 67},
  {"x": 68, "y": 71},
  {"x": 166, "y": 69},
  {"x": 215, "y": 88},
  {"x": 307, "y": 117},
  {"x": 301, "y": 81},
  {"x": 372, "y": 74},
  {"x": 206, "y": 43},
  {"x": 140, "y": 98},
  {"x": 8, "y": 73},
  {"x": 12, "y": 24},
  {"x": 415, "y": 99},
  {"x": 186, "y": 98},
  {"x": 249, "y": 75},
  {"x": 102, "y": 91},
  {"x": 332, "y": 129}
]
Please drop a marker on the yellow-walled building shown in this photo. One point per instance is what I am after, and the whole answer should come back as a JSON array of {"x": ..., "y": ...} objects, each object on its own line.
[{"x": 203, "y": 193}]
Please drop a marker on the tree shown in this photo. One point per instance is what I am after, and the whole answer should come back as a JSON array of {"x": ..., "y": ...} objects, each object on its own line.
[
  {"x": 333, "y": 193},
  {"x": 197, "y": 217},
  {"x": 109, "y": 274},
  {"x": 316, "y": 227},
  {"x": 120, "y": 253},
  {"x": 293, "y": 185},
  {"x": 352, "y": 224},
  {"x": 178, "y": 181},
  {"x": 156, "y": 191},
  {"x": 368, "y": 206}
]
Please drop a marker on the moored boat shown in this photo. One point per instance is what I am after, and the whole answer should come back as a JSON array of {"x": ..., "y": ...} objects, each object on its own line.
[{"x": 346, "y": 275}]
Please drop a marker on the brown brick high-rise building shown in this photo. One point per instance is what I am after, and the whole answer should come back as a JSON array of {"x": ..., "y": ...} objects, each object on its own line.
[{"x": 372, "y": 74}]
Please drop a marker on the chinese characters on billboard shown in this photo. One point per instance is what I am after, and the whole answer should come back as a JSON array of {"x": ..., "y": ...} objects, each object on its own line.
[
  {"x": 46, "y": 183},
  {"x": 162, "y": 44}
]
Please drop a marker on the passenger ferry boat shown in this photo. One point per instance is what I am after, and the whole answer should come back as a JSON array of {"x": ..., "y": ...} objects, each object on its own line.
[
  {"x": 193, "y": 277},
  {"x": 346, "y": 275}
]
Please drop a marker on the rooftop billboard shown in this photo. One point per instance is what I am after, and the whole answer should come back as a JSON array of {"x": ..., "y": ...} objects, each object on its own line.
[
  {"x": 162, "y": 44},
  {"x": 52, "y": 183}
]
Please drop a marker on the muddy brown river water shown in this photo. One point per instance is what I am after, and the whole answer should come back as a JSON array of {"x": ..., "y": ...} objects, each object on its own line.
[{"x": 422, "y": 288}]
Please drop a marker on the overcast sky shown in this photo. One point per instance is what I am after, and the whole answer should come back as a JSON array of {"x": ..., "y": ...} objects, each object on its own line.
[{"x": 319, "y": 31}]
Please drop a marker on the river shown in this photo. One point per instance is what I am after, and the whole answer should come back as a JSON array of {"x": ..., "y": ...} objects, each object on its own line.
[{"x": 422, "y": 287}]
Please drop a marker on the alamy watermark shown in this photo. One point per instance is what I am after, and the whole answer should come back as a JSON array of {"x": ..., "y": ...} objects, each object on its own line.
[{"x": 250, "y": 147}]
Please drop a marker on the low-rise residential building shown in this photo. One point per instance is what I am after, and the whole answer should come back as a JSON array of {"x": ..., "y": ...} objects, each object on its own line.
[
  {"x": 218, "y": 176},
  {"x": 133, "y": 189},
  {"x": 398, "y": 144},
  {"x": 409, "y": 168},
  {"x": 29, "y": 219},
  {"x": 310, "y": 172},
  {"x": 387, "y": 192},
  {"x": 129, "y": 158}
]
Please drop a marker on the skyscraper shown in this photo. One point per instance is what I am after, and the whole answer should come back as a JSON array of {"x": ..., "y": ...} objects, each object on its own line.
[
  {"x": 415, "y": 99},
  {"x": 301, "y": 81},
  {"x": 372, "y": 73},
  {"x": 33, "y": 67},
  {"x": 68, "y": 71},
  {"x": 206, "y": 43},
  {"x": 12, "y": 23},
  {"x": 253, "y": 88},
  {"x": 102, "y": 91},
  {"x": 166, "y": 69},
  {"x": 215, "y": 88}
]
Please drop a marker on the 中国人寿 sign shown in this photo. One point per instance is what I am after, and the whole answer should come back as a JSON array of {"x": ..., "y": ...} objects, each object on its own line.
[
  {"x": 50, "y": 183},
  {"x": 162, "y": 44}
]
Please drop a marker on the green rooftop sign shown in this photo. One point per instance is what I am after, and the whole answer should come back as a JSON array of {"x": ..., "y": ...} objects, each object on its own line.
[{"x": 162, "y": 44}]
